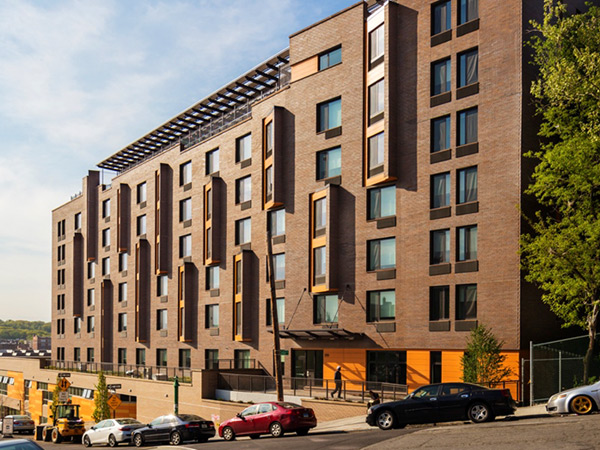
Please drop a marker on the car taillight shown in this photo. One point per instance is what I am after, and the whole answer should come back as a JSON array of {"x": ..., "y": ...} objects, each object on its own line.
[
  {"x": 192, "y": 425},
  {"x": 505, "y": 393},
  {"x": 125, "y": 429},
  {"x": 17, "y": 423}
]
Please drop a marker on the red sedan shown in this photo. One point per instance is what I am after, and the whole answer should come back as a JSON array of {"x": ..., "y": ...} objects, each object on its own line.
[{"x": 275, "y": 418}]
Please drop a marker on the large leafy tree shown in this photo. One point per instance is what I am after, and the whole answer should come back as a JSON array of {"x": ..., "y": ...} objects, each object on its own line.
[
  {"x": 561, "y": 254},
  {"x": 101, "y": 408},
  {"x": 483, "y": 362}
]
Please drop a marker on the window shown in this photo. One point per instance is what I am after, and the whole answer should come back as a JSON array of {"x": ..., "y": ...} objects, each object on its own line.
[
  {"x": 382, "y": 202},
  {"x": 140, "y": 356},
  {"x": 162, "y": 285},
  {"x": 376, "y": 101},
  {"x": 91, "y": 297},
  {"x": 277, "y": 222},
  {"x": 466, "y": 301},
  {"x": 467, "y": 10},
  {"x": 440, "y": 247},
  {"x": 440, "y": 134},
  {"x": 329, "y": 163},
  {"x": 269, "y": 139},
  {"x": 106, "y": 237},
  {"x": 211, "y": 357},
  {"x": 60, "y": 302},
  {"x": 161, "y": 319},
  {"x": 326, "y": 309},
  {"x": 279, "y": 266},
  {"x": 91, "y": 324},
  {"x": 466, "y": 241},
  {"x": 122, "y": 292},
  {"x": 77, "y": 325},
  {"x": 320, "y": 206},
  {"x": 185, "y": 209},
  {"x": 141, "y": 193},
  {"x": 238, "y": 318},
  {"x": 467, "y": 185},
  {"x": 439, "y": 303},
  {"x": 243, "y": 190},
  {"x": 381, "y": 305},
  {"x": 212, "y": 161},
  {"x": 242, "y": 359},
  {"x": 329, "y": 115},
  {"x": 243, "y": 148},
  {"x": 280, "y": 302},
  {"x": 320, "y": 269},
  {"x": 61, "y": 253},
  {"x": 468, "y": 68},
  {"x": 269, "y": 183},
  {"x": 185, "y": 358},
  {"x": 141, "y": 225},
  {"x": 440, "y": 190},
  {"x": 60, "y": 277},
  {"x": 467, "y": 126},
  {"x": 122, "y": 322},
  {"x": 77, "y": 221},
  {"x": 441, "y": 18},
  {"x": 381, "y": 254},
  {"x": 185, "y": 246},
  {"x": 435, "y": 368},
  {"x": 330, "y": 58},
  {"x": 76, "y": 354},
  {"x": 212, "y": 277},
  {"x": 106, "y": 208},
  {"x": 376, "y": 151},
  {"x": 212, "y": 316},
  {"x": 376, "y": 43},
  {"x": 441, "y": 77},
  {"x": 91, "y": 270},
  {"x": 185, "y": 173},
  {"x": 122, "y": 355},
  {"x": 122, "y": 262},
  {"x": 90, "y": 355},
  {"x": 106, "y": 266},
  {"x": 242, "y": 231},
  {"x": 238, "y": 276}
]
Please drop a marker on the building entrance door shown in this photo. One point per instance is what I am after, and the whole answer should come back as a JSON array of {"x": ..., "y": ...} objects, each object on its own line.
[{"x": 308, "y": 365}]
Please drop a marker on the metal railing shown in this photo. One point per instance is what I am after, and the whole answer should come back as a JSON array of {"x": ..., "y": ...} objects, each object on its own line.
[
  {"x": 227, "y": 364},
  {"x": 312, "y": 387}
]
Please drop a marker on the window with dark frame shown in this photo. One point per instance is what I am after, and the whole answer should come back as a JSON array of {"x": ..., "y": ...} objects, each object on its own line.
[
  {"x": 440, "y": 134},
  {"x": 320, "y": 216},
  {"x": 467, "y": 185},
  {"x": 91, "y": 324},
  {"x": 466, "y": 243},
  {"x": 212, "y": 277},
  {"x": 440, "y": 76},
  {"x": 467, "y": 126},
  {"x": 376, "y": 100},
  {"x": 185, "y": 209},
  {"x": 441, "y": 17},
  {"x": 435, "y": 372},
  {"x": 329, "y": 114},
  {"x": 242, "y": 231},
  {"x": 185, "y": 246},
  {"x": 212, "y": 161},
  {"x": 320, "y": 265},
  {"x": 91, "y": 297},
  {"x": 161, "y": 357},
  {"x": 468, "y": 71},
  {"x": 276, "y": 222},
  {"x": 330, "y": 58},
  {"x": 141, "y": 225},
  {"x": 77, "y": 221},
  {"x": 381, "y": 202},
  {"x": 106, "y": 266},
  {"x": 466, "y": 301},
  {"x": 185, "y": 173},
  {"x": 162, "y": 285},
  {"x": 329, "y": 163},
  {"x": 440, "y": 247},
  {"x": 122, "y": 324},
  {"x": 243, "y": 148},
  {"x": 280, "y": 302},
  {"x": 440, "y": 190},
  {"x": 243, "y": 189},
  {"x": 269, "y": 139},
  {"x": 141, "y": 193},
  {"x": 140, "y": 356},
  {"x": 377, "y": 44},
  {"x": 467, "y": 10},
  {"x": 122, "y": 295},
  {"x": 376, "y": 145},
  {"x": 106, "y": 208},
  {"x": 106, "y": 237},
  {"x": 161, "y": 319},
  {"x": 185, "y": 358},
  {"x": 269, "y": 183},
  {"x": 122, "y": 261},
  {"x": 279, "y": 266},
  {"x": 211, "y": 357},
  {"x": 381, "y": 305},
  {"x": 325, "y": 309},
  {"x": 381, "y": 254},
  {"x": 439, "y": 303}
]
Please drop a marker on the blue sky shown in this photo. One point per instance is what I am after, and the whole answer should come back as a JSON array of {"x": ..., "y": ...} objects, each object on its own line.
[{"x": 79, "y": 80}]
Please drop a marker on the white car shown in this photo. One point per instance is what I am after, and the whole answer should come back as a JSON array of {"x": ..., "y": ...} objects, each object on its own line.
[
  {"x": 580, "y": 400},
  {"x": 111, "y": 432}
]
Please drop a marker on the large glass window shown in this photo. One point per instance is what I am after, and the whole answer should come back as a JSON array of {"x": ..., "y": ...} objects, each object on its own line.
[
  {"x": 141, "y": 225},
  {"x": 466, "y": 301},
  {"x": 91, "y": 324},
  {"x": 106, "y": 208},
  {"x": 468, "y": 72},
  {"x": 467, "y": 126},
  {"x": 243, "y": 189},
  {"x": 329, "y": 115},
  {"x": 466, "y": 243},
  {"x": 242, "y": 231},
  {"x": 185, "y": 246},
  {"x": 161, "y": 357},
  {"x": 106, "y": 237},
  {"x": 440, "y": 134},
  {"x": 91, "y": 297},
  {"x": 382, "y": 202},
  {"x": 440, "y": 190},
  {"x": 376, "y": 99},
  {"x": 376, "y": 150},
  {"x": 212, "y": 316},
  {"x": 381, "y": 254},
  {"x": 279, "y": 266},
  {"x": 122, "y": 261},
  {"x": 320, "y": 212},
  {"x": 140, "y": 356},
  {"x": 280, "y": 302},
  {"x": 467, "y": 10},
  {"x": 185, "y": 209},
  {"x": 122, "y": 322},
  {"x": 141, "y": 192},
  {"x": 243, "y": 148},
  {"x": 441, "y": 17},
  {"x": 185, "y": 358},
  {"x": 269, "y": 139},
  {"x": 467, "y": 185},
  {"x": 269, "y": 183},
  {"x": 242, "y": 359},
  {"x": 185, "y": 173},
  {"x": 381, "y": 305},
  {"x": 439, "y": 303},
  {"x": 162, "y": 285},
  {"x": 161, "y": 319},
  {"x": 440, "y": 246},
  {"x": 330, "y": 58},
  {"x": 212, "y": 277},
  {"x": 386, "y": 367},
  {"x": 122, "y": 355},
  {"x": 106, "y": 266},
  {"x": 441, "y": 77},
  {"x": 211, "y": 357},
  {"x": 77, "y": 224},
  {"x": 329, "y": 163},
  {"x": 376, "y": 43},
  {"x": 212, "y": 161},
  {"x": 277, "y": 222},
  {"x": 320, "y": 261},
  {"x": 326, "y": 309},
  {"x": 122, "y": 292}
]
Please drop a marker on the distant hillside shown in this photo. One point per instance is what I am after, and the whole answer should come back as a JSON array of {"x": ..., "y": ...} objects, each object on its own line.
[{"x": 23, "y": 329}]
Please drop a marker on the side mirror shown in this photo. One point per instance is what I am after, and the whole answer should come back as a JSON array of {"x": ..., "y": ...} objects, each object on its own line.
[
  {"x": 239, "y": 416},
  {"x": 93, "y": 428}
]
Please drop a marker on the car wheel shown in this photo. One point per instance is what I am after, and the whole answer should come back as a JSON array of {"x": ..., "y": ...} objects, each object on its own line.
[
  {"x": 86, "y": 441},
  {"x": 302, "y": 431},
  {"x": 276, "y": 429},
  {"x": 56, "y": 437},
  {"x": 112, "y": 441},
  {"x": 581, "y": 405},
  {"x": 228, "y": 434},
  {"x": 138, "y": 440},
  {"x": 385, "y": 420},
  {"x": 254, "y": 436},
  {"x": 46, "y": 433},
  {"x": 175, "y": 438},
  {"x": 479, "y": 412}
]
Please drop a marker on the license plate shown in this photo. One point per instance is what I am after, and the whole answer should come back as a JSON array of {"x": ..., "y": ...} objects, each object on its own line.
[
  {"x": 305, "y": 415},
  {"x": 204, "y": 425}
]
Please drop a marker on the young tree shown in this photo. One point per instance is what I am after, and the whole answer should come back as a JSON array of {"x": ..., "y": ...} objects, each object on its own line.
[
  {"x": 101, "y": 408},
  {"x": 482, "y": 362},
  {"x": 562, "y": 254},
  {"x": 55, "y": 401}
]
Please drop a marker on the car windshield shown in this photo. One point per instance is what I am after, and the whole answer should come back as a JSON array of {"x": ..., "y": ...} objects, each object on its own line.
[
  {"x": 189, "y": 417},
  {"x": 20, "y": 417},
  {"x": 128, "y": 422}
]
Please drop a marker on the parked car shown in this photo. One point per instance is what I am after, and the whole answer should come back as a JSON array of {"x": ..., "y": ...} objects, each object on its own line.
[
  {"x": 580, "y": 400},
  {"x": 174, "y": 429},
  {"x": 443, "y": 402},
  {"x": 21, "y": 424},
  {"x": 275, "y": 418},
  {"x": 111, "y": 432},
  {"x": 19, "y": 444}
]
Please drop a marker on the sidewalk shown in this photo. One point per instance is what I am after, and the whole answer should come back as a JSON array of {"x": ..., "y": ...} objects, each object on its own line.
[{"x": 358, "y": 423}]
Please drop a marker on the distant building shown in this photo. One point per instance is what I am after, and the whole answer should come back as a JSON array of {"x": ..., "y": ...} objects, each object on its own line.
[{"x": 41, "y": 343}]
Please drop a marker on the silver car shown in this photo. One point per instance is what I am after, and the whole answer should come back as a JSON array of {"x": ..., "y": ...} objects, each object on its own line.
[
  {"x": 111, "y": 432},
  {"x": 580, "y": 400},
  {"x": 21, "y": 424}
]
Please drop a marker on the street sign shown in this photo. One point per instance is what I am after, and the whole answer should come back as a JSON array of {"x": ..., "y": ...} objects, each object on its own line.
[
  {"x": 112, "y": 387},
  {"x": 64, "y": 384},
  {"x": 284, "y": 352},
  {"x": 63, "y": 396},
  {"x": 114, "y": 401},
  {"x": 64, "y": 374}
]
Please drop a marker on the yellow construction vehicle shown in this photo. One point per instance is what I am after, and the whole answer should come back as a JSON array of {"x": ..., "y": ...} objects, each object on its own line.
[{"x": 66, "y": 424}]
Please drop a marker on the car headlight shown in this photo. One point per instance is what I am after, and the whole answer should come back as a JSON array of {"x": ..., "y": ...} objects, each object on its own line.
[{"x": 370, "y": 410}]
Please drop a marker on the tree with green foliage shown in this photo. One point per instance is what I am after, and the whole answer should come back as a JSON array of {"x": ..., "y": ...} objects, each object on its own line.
[
  {"x": 101, "y": 408},
  {"x": 561, "y": 254},
  {"x": 55, "y": 401},
  {"x": 483, "y": 362}
]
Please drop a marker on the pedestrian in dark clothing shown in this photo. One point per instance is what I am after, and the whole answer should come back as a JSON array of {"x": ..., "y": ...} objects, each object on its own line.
[{"x": 338, "y": 382}]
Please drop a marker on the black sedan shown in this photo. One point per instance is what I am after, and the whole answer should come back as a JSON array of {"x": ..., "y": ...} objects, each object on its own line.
[
  {"x": 174, "y": 429},
  {"x": 444, "y": 402}
]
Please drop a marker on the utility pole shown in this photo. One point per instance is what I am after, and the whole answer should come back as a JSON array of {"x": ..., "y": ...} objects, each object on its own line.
[{"x": 275, "y": 322}]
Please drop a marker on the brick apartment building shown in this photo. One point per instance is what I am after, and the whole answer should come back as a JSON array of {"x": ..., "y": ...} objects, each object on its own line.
[{"x": 384, "y": 153}]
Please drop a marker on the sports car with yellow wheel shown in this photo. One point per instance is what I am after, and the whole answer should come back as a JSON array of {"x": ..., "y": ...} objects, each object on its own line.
[{"x": 580, "y": 400}]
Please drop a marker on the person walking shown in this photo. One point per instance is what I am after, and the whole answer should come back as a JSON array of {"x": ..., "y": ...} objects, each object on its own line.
[{"x": 338, "y": 382}]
